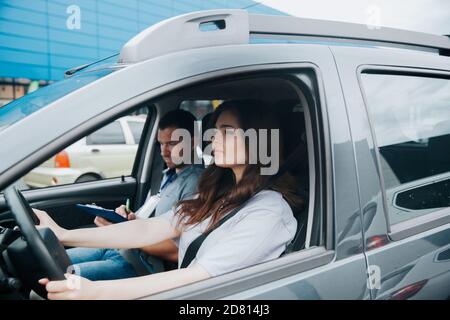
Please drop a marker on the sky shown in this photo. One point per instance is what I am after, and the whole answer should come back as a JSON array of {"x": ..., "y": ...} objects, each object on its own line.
[{"x": 431, "y": 16}]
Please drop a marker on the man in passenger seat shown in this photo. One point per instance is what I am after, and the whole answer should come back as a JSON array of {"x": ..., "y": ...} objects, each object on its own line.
[{"x": 179, "y": 182}]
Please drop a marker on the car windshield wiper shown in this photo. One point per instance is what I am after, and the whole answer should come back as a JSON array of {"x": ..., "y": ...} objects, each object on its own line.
[{"x": 84, "y": 66}]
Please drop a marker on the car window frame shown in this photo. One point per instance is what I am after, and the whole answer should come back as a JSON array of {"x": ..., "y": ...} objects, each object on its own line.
[
  {"x": 428, "y": 221},
  {"x": 302, "y": 260}
]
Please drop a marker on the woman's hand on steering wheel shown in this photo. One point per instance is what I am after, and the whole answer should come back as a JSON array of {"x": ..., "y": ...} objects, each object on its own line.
[
  {"x": 46, "y": 222},
  {"x": 73, "y": 288}
]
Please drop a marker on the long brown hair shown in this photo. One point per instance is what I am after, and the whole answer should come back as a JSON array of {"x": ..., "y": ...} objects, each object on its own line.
[{"x": 218, "y": 192}]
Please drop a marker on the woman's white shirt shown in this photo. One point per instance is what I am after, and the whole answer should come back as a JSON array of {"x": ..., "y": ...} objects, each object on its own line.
[{"x": 259, "y": 232}]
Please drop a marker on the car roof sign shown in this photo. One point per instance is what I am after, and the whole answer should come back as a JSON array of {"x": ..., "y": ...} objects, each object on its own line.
[{"x": 187, "y": 32}]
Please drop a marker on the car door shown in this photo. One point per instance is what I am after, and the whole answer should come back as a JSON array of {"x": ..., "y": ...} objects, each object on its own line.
[
  {"x": 333, "y": 265},
  {"x": 398, "y": 103}
]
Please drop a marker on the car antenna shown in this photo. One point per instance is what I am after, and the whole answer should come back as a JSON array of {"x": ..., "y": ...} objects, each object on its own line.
[{"x": 84, "y": 66}]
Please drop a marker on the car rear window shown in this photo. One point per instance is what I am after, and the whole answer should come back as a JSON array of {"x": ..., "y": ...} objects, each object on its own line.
[
  {"x": 411, "y": 121},
  {"x": 23, "y": 107}
]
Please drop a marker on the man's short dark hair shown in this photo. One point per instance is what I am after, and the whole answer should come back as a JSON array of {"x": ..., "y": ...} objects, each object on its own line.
[{"x": 180, "y": 119}]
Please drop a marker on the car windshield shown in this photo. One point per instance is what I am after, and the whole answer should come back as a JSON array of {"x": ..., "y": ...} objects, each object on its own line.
[{"x": 23, "y": 107}]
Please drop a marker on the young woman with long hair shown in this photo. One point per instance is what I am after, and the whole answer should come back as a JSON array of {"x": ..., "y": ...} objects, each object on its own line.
[{"x": 258, "y": 232}]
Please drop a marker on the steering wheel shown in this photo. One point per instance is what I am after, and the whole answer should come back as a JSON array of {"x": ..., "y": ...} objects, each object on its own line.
[{"x": 42, "y": 255}]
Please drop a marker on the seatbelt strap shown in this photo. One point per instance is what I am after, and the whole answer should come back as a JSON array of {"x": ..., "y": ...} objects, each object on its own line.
[
  {"x": 301, "y": 224},
  {"x": 195, "y": 245}
]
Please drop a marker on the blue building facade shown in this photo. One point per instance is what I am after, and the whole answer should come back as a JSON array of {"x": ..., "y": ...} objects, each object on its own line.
[{"x": 40, "y": 39}]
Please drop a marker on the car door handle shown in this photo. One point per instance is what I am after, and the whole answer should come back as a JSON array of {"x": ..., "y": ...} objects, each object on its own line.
[{"x": 95, "y": 150}]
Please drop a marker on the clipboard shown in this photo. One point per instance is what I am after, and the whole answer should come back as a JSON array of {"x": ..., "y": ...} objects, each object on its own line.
[{"x": 107, "y": 214}]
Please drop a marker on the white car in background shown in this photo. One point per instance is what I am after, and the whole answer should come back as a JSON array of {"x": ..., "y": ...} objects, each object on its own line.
[{"x": 108, "y": 152}]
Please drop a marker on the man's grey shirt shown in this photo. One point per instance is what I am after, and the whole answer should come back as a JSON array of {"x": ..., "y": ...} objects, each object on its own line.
[{"x": 184, "y": 186}]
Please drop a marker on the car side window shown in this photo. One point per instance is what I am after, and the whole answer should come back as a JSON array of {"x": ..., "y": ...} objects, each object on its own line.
[
  {"x": 108, "y": 152},
  {"x": 410, "y": 116},
  {"x": 136, "y": 130},
  {"x": 110, "y": 134}
]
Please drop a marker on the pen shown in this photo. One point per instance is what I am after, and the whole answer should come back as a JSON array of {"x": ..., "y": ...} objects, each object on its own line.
[{"x": 127, "y": 206}]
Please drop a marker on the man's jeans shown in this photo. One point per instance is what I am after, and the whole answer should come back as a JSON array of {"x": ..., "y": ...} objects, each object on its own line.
[{"x": 100, "y": 264}]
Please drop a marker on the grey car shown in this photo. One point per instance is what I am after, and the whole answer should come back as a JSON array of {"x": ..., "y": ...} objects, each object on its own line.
[{"x": 371, "y": 108}]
